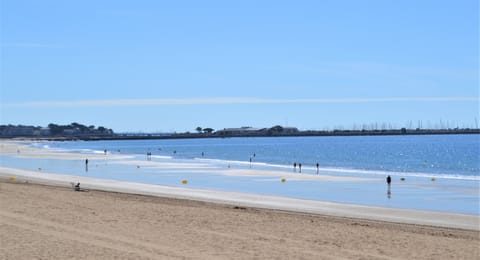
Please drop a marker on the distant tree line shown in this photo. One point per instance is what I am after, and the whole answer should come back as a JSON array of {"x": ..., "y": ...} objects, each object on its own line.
[
  {"x": 54, "y": 130},
  {"x": 78, "y": 129}
]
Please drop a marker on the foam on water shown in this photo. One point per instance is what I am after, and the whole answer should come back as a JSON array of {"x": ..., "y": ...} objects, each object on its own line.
[{"x": 311, "y": 170}]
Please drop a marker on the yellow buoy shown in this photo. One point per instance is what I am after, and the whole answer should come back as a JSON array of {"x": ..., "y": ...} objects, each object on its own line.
[
  {"x": 12, "y": 178},
  {"x": 284, "y": 180},
  {"x": 184, "y": 182}
]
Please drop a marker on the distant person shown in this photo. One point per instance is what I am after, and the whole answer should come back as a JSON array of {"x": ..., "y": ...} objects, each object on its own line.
[
  {"x": 203, "y": 154},
  {"x": 105, "y": 151},
  {"x": 77, "y": 187},
  {"x": 300, "y": 168},
  {"x": 250, "y": 162},
  {"x": 389, "y": 181},
  {"x": 317, "y": 167},
  {"x": 294, "y": 167},
  {"x": 86, "y": 165}
]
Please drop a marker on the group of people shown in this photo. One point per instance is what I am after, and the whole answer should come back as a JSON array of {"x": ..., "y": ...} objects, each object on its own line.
[{"x": 300, "y": 167}]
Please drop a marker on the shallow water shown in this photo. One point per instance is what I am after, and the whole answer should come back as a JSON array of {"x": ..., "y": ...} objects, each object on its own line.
[
  {"x": 438, "y": 156},
  {"x": 415, "y": 192}
]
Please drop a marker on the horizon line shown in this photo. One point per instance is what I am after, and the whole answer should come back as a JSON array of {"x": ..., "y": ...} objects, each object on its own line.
[{"x": 229, "y": 100}]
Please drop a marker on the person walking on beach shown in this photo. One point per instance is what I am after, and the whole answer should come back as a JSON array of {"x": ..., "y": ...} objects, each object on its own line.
[
  {"x": 294, "y": 167},
  {"x": 389, "y": 180},
  {"x": 299, "y": 168},
  {"x": 317, "y": 167},
  {"x": 86, "y": 165}
]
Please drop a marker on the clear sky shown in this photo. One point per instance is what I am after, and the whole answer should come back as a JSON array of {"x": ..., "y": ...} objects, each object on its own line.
[{"x": 175, "y": 65}]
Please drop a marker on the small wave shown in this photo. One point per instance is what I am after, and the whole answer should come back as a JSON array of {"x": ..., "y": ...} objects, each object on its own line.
[
  {"x": 220, "y": 161},
  {"x": 162, "y": 157},
  {"x": 405, "y": 174},
  {"x": 345, "y": 170}
]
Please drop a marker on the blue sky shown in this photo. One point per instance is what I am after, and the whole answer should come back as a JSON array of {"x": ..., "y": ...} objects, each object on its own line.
[{"x": 175, "y": 65}]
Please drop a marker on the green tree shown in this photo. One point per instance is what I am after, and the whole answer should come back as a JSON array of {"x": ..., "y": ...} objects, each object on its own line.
[{"x": 208, "y": 130}]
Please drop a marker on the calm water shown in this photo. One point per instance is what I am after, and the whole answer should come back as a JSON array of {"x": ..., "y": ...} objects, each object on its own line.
[
  {"x": 452, "y": 160},
  {"x": 447, "y": 156}
]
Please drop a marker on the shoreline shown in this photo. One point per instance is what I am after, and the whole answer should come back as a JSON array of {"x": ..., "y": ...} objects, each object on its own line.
[
  {"x": 42, "y": 217},
  {"x": 394, "y": 215},
  {"x": 288, "y": 203}
]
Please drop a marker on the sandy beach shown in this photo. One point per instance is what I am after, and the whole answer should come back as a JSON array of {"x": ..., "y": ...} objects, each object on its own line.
[
  {"x": 51, "y": 222},
  {"x": 41, "y": 217}
]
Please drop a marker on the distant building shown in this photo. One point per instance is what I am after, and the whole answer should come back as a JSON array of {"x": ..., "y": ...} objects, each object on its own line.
[
  {"x": 21, "y": 131},
  {"x": 69, "y": 132},
  {"x": 245, "y": 130},
  {"x": 43, "y": 131},
  {"x": 280, "y": 130},
  {"x": 290, "y": 130},
  {"x": 251, "y": 131}
]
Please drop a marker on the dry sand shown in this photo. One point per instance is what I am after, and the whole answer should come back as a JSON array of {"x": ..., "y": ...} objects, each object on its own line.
[{"x": 52, "y": 222}]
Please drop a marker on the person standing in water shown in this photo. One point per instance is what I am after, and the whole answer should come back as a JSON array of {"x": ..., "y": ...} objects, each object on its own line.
[
  {"x": 318, "y": 165},
  {"x": 299, "y": 168},
  {"x": 389, "y": 182}
]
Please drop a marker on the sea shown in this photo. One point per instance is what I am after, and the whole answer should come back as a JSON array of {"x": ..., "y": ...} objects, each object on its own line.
[{"x": 429, "y": 172}]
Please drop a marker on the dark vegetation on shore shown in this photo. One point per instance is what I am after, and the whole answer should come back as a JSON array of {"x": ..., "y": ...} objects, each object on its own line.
[{"x": 77, "y": 131}]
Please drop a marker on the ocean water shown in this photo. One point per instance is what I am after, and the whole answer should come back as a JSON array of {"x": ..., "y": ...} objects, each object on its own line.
[
  {"x": 431, "y": 172},
  {"x": 440, "y": 156}
]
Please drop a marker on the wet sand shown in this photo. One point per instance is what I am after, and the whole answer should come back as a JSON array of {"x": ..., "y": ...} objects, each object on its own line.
[{"x": 52, "y": 222}]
